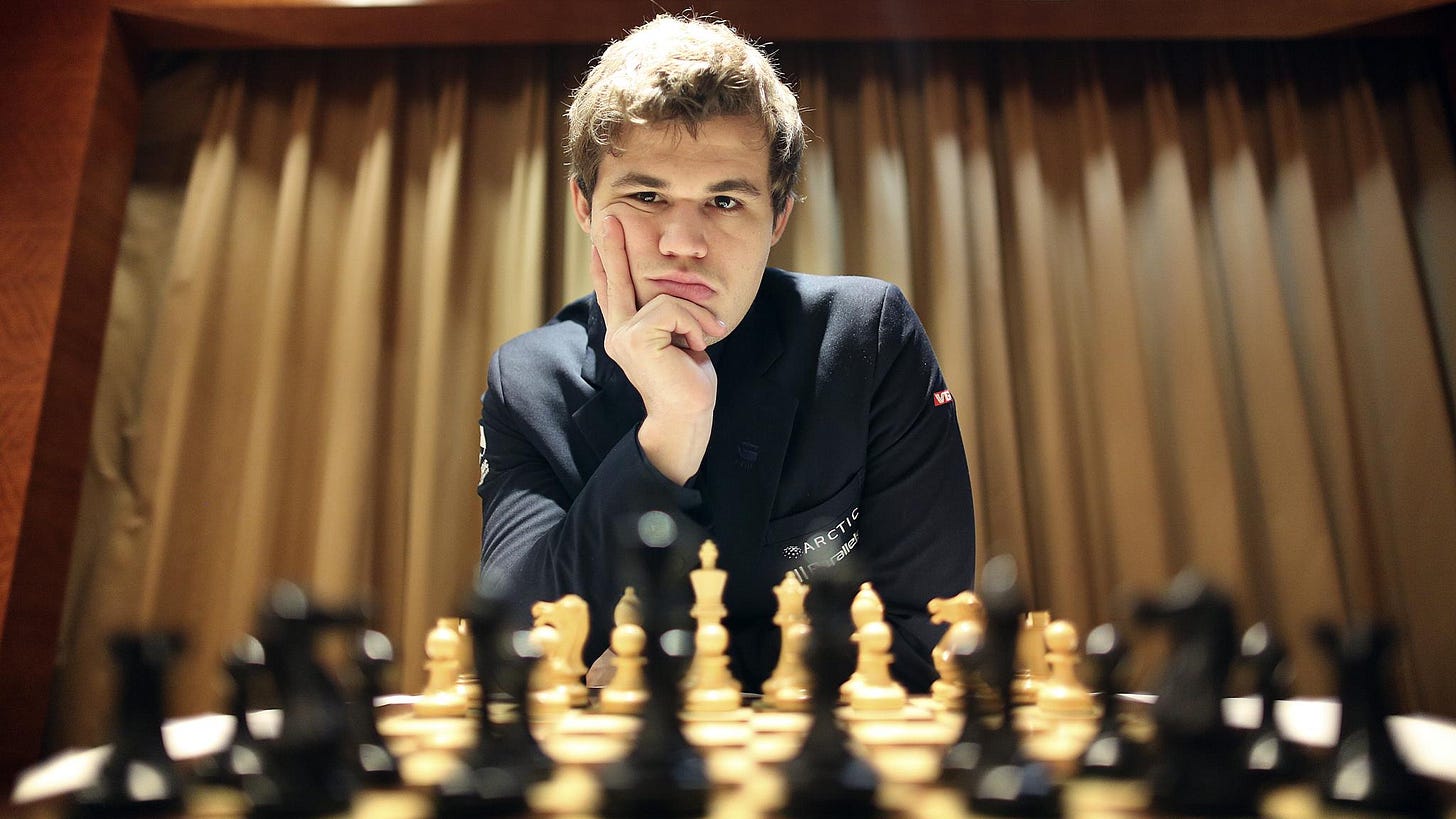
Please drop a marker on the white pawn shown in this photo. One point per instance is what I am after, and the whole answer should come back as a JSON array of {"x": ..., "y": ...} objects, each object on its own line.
[
  {"x": 441, "y": 697},
  {"x": 714, "y": 689},
  {"x": 877, "y": 690},
  {"x": 1062, "y": 695},
  {"x": 627, "y": 692}
]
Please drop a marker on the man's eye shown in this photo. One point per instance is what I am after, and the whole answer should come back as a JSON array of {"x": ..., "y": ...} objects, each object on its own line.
[
  {"x": 645, "y": 197},
  {"x": 726, "y": 203}
]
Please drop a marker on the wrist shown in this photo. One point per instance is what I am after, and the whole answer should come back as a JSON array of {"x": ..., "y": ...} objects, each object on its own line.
[{"x": 675, "y": 445}]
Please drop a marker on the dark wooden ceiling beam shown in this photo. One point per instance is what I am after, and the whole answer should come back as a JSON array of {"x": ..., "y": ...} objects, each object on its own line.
[{"x": 212, "y": 24}]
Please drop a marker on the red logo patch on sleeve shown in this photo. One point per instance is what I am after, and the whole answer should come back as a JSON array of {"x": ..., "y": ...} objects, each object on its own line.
[{"x": 942, "y": 398}]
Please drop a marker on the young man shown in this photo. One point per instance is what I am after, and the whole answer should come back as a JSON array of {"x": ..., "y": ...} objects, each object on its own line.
[{"x": 799, "y": 418}]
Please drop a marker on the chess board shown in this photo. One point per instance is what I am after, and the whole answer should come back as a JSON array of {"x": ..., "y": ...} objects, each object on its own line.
[{"x": 743, "y": 752}]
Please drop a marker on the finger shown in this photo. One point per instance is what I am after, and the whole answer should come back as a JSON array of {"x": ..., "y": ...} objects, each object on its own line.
[
  {"x": 599, "y": 279},
  {"x": 682, "y": 318},
  {"x": 621, "y": 294}
]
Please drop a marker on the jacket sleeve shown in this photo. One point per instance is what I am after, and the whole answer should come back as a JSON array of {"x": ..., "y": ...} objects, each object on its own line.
[
  {"x": 539, "y": 543},
  {"x": 916, "y": 509}
]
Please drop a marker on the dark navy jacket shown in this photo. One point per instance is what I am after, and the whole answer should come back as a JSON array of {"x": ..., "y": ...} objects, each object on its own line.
[{"x": 833, "y": 432}]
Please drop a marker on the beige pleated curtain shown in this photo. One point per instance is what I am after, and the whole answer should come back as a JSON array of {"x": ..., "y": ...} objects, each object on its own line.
[{"x": 1195, "y": 302}]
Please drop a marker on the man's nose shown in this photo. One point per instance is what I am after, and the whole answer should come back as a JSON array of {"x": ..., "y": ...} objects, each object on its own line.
[{"x": 684, "y": 233}]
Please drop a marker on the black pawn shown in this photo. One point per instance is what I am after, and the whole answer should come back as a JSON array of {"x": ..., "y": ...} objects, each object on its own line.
[
  {"x": 1366, "y": 772},
  {"x": 664, "y": 775},
  {"x": 506, "y": 759},
  {"x": 962, "y": 758},
  {"x": 1199, "y": 767},
  {"x": 376, "y": 765},
  {"x": 826, "y": 778},
  {"x": 139, "y": 778},
  {"x": 1110, "y": 754},
  {"x": 1270, "y": 757},
  {"x": 1007, "y": 782},
  {"x": 243, "y": 663}
]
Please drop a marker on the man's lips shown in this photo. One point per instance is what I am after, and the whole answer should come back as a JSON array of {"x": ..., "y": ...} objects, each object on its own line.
[{"x": 691, "y": 289}]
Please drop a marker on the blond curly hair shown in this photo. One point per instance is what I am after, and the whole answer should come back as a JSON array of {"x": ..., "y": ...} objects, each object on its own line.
[{"x": 684, "y": 71}]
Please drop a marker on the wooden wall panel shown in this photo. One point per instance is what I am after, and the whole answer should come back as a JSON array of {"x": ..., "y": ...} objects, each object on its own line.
[{"x": 68, "y": 109}]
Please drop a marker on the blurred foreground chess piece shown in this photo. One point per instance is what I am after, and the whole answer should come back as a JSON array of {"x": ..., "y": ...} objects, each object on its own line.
[
  {"x": 663, "y": 775},
  {"x": 1198, "y": 768},
  {"x": 787, "y": 688},
  {"x": 138, "y": 778},
  {"x": 1005, "y": 780},
  {"x": 1367, "y": 773},
  {"x": 467, "y": 681},
  {"x": 307, "y": 768},
  {"x": 442, "y": 697},
  {"x": 1272, "y": 758},
  {"x": 376, "y": 764},
  {"x": 1111, "y": 753},
  {"x": 961, "y": 762},
  {"x": 825, "y": 778},
  {"x": 626, "y": 692},
  {"x": 243, "y": 662},
  {"x": 505, "y": 760},
  {"x": 1062, "y": 695},
  {"x": 1031, "y": 665},
  {"x": 966, "y": 619}
]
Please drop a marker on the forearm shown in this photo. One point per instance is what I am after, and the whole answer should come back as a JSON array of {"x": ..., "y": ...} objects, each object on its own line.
[{"x": 538, "y": 544}]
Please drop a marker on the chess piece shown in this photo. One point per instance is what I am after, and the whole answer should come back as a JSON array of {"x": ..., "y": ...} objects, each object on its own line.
[
  {"x": 138, "y": 778},
  {"x": 569, "y": 617},
  {"x": 866, "y": 609},
  {"x": 790, "y": 594},
  {"x": 441, "y": 697},
  {"x": 709, "y": 684},
  {"x": 626, "y": 693},
  {"x": 467, "y": 681},
  {"x": 966, "y": 621},
  {"x": 663, "y": 775},
  {"x": 961, "y": 762},
  {"x": 1062, "y": 695},
  {"x": 306, "y": 768},
  {"x": 792, "y": 693},
  {"x": 1272, "y": 758},
  {"x": 550, "y": 691},
  {"x": 376, "y": 764},
  {"x": 1005, "y": 781},
  {"x": 714, "y": 689},
  {"x": 506, "y": 760},
  {"x": 1367, "y": 773},
  {"x": 877, "y": 691},
  {"x": 1031, "y": 665},
  {"x": 243, "y": 662},
  {"x": 825, "y": 778},
  {"x": 1110, "y": 754},
  {"x": 1198, "y": 768}
]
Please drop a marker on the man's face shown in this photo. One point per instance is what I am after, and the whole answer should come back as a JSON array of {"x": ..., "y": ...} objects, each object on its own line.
[{"x": 697, "y": 212}]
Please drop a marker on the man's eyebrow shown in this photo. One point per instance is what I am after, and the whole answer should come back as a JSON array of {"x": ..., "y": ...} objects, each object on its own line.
[
  {"x": 634, "y": 179},
  {"x": 739, "y": 185}
]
